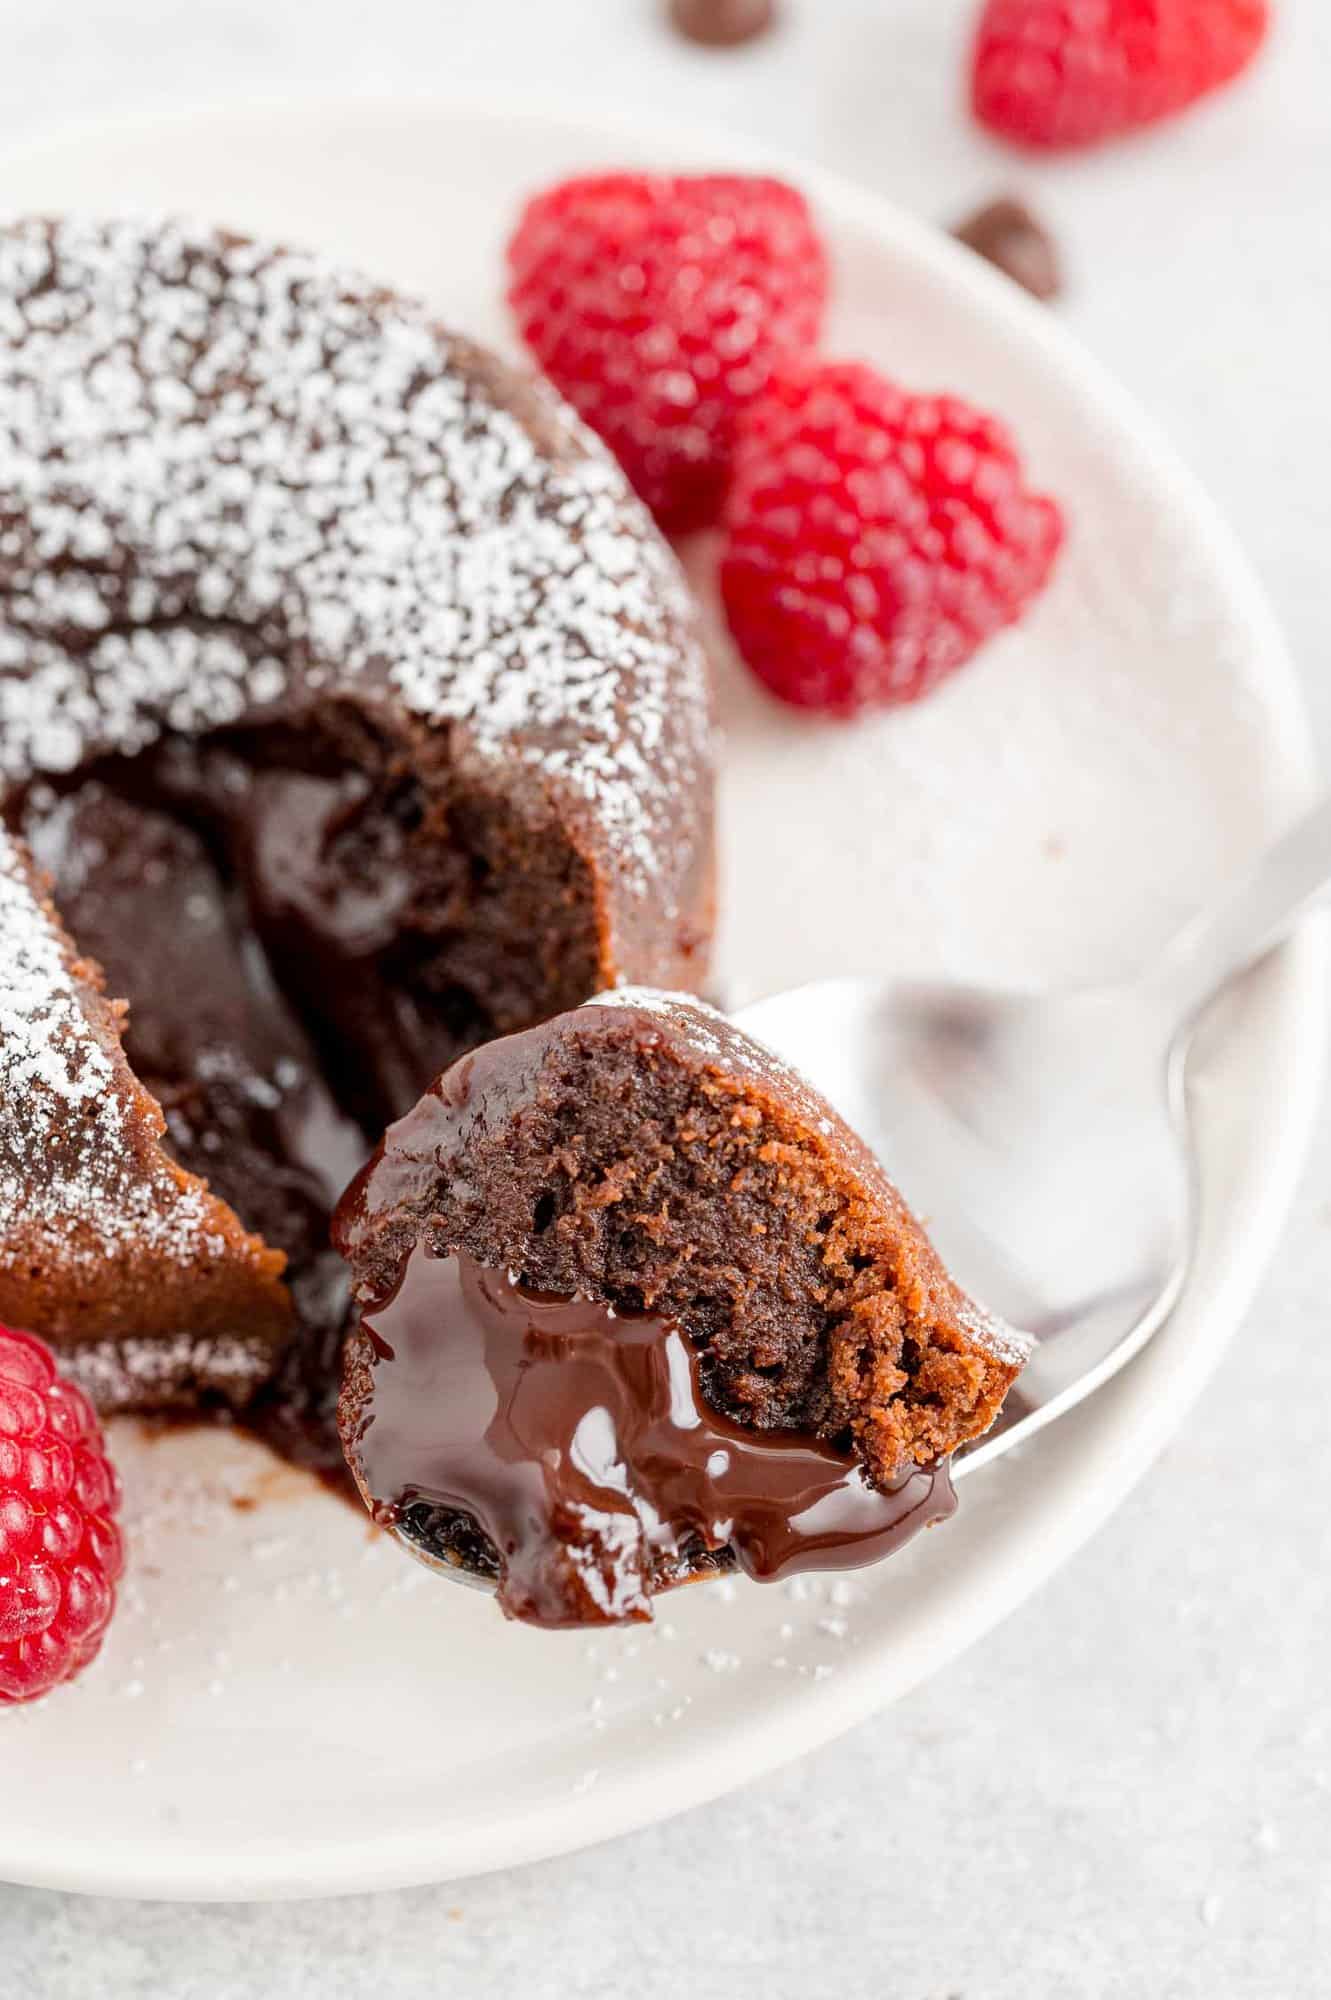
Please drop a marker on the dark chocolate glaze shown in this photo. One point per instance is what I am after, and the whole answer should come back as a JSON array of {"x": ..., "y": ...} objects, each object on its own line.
[
  {"x": 449, "y": 754},
  {"x": 336, "y": 872},
  {"x": 581, "y": 1445},
  {"x": 271, "y": 916},
  {"x": 619, "y": 1153},
  {"x": 247, "y": 1102},
  {"x": 210, "y": 1033}
]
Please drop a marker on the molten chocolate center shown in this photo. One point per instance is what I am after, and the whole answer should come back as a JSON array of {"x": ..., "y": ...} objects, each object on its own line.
[{"x": 580, "y": 1443}]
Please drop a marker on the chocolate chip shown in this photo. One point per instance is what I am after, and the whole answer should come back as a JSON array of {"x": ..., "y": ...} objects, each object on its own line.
[
  {"x": 721, "y": 24},
  {"x": 1009, "y": 236}
]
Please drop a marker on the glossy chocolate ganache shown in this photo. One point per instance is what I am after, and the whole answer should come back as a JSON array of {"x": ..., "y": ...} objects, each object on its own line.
[
  {"x": 188, "y": 875},
  {"x": 635, "y": 1305},
  {"x": 356, "y": 712},
  {"x": 303, "y": 938},
  {"x": 579, "y": 1443}
]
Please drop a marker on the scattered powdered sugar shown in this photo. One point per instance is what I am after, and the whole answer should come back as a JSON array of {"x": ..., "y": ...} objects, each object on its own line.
[
  {"x": 50, "y": 1061},
  {"x": 235, "y": 473},
  {"x": 122, "y": 1374},
  {"x": 234, "y": 476},
  {"x": 60, "y": 1105}
]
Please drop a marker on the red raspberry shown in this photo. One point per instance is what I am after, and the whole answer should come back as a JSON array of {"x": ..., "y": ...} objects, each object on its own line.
[
  {"x": 1070, "y": 72},
  {"x": 659, "y": 305},
  {"x": 874, "y": 538},
  {"x": 60, "y": 1550}
]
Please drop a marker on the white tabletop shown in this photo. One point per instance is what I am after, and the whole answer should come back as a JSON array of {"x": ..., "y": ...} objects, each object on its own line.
[{"x": 1127, "y": 1791}]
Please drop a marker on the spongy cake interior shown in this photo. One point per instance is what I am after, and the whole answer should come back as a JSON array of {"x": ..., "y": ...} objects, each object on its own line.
[{"x": 630, "y": 1171}]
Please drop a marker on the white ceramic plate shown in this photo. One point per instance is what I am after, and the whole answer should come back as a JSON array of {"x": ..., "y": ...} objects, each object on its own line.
[{"x": 286, "y": 1705}]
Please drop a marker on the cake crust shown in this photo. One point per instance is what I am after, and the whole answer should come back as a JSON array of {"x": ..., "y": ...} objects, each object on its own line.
[
  {"x": 384, "y": 627},
  {"x": 150, "y": 1286}
]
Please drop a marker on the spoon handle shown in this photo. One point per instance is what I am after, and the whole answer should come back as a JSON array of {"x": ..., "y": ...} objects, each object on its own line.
[{"x": 1255, "y": 914}]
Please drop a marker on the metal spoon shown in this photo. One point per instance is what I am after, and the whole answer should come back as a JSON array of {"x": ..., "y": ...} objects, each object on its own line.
[{"x": 1043, "y": 1137}]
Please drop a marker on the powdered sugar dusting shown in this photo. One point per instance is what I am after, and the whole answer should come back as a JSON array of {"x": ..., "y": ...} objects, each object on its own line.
[
  {"x": 47, "y": 1058},
  {"x": 59, "y": 1104},
  {"x": 237, "y": 474},
  {"x": 234, "y": 477},
  {"x": 123, "y": 1374}
]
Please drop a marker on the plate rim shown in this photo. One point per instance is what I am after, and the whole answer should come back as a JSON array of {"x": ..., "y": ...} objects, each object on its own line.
[{"x": 812, "y": 1713}]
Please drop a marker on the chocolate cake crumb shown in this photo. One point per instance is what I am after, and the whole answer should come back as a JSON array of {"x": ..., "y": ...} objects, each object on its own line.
[
  {"x": 643, "y": 1153},
  {"x": 355, "y": 706}
]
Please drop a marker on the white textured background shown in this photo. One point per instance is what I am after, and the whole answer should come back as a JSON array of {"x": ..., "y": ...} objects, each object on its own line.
[{"x": 1127, "y": 1791}]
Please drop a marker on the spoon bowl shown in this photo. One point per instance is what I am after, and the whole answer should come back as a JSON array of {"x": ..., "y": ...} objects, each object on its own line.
[{"x": 1042, "y": 1139}]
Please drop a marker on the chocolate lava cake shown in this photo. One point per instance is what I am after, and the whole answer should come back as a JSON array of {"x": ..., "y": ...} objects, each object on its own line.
[
  {"x": 352, "y": 710},
  {"x": 635, "y": 1171},
  {"x": 105, "y": 1242}
]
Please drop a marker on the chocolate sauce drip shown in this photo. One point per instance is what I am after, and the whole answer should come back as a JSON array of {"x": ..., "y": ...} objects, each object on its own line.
[
  {"x": 247, "y": 1103},
  {"x": 269, "y": 914},
  {"x": 209, "y": 1032},
  {"x": 328, "y": 864},
  {"x": 581, "y": 1445}
]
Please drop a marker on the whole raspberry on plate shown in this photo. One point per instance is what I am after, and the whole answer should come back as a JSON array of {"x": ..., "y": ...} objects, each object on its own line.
[
  {"x": 1055, "y": 73},
  {"x": 874, "y": 539},
  {"x": 659, "y": 304},
  {"x": 60, "y": 1549}
]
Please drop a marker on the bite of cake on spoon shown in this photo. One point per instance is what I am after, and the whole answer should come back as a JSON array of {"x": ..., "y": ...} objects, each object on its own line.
[{"x": 637, "y": 1305}]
